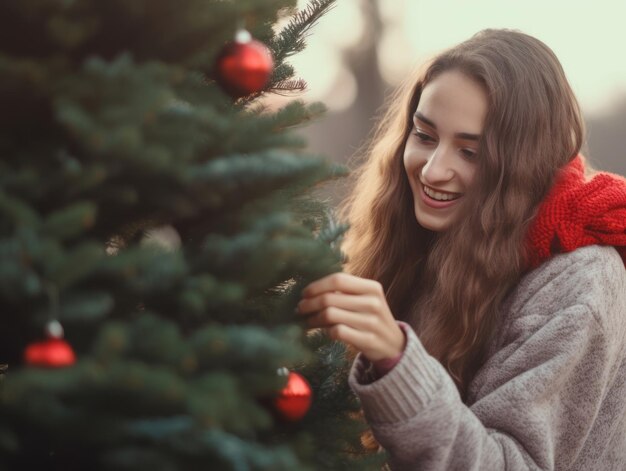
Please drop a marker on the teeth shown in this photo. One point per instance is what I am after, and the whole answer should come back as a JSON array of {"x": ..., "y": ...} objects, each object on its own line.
[{"x": 439, "y": 196}]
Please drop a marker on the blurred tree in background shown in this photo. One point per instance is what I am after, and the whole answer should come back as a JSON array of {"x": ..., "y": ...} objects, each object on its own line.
[{"x": 113, "y": 132}]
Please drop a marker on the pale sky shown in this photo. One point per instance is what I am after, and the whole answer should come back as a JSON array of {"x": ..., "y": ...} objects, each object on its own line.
[{"x": 587, "y": 37}]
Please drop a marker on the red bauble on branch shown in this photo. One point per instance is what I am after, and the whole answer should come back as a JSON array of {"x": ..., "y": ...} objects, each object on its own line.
[
  {"x": 294, "y": 400},
  {"x": 54, "y": 352},
  {"x": 244, "y": 66}
]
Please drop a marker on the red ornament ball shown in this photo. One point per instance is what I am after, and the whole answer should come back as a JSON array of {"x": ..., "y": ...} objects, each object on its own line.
[
  {"x": 244, "y": 66},
  {"x": 50, "y": 353},
  {"x": 294, "y": 401}
]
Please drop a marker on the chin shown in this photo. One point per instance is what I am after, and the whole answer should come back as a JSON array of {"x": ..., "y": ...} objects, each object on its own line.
[
  {"x": 432, "y": 224},
  {"x": 431, "y": 227}
]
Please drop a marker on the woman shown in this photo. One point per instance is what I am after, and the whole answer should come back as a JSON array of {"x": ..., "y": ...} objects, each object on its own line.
[{"x": 485, "y": 288}]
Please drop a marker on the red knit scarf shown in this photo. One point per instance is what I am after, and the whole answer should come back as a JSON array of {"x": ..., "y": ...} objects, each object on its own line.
[{"x": 577, "y": 213}]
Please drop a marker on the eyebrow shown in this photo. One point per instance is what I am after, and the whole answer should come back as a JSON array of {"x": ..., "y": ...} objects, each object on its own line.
[{"x": 458, "y": 135}]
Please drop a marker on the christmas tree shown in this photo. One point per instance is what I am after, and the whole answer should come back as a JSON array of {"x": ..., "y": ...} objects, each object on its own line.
[{"x": 157, "y": 226}]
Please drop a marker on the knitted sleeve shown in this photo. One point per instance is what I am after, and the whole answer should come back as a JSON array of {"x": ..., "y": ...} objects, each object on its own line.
[{"x": 550, "y": 397}]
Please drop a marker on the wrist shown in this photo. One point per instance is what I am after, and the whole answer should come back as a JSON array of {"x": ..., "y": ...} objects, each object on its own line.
[{"x": 384, "y": 365}]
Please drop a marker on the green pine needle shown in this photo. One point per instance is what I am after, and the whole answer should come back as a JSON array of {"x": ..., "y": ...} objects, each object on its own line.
[{"x": 292, "y": 38}]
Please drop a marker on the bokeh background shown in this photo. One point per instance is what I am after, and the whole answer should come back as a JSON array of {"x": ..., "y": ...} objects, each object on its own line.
[{"x": 361, "y": 49}]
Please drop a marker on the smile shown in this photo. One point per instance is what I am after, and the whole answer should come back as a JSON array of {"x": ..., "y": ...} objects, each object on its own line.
[
  {"x": 435, "y": 199},
  {"x": 440, "y": 196}
]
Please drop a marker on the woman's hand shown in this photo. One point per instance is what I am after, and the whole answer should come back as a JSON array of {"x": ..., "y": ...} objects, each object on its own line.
[{"x": 353, "y": 310}]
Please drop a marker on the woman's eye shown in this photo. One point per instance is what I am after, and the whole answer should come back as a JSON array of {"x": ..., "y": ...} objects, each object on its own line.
[
  {"x": 468, "y": 153},
  {"x": 422, "y": 136}
]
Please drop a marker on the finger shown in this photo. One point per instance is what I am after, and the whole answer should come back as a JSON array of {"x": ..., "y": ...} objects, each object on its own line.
[
  {"x": 361, "y": 340},
  {"x": 334, "y": 315},
  {"x": 349, "y": 302},
  {"x": 343, "y": 282}
]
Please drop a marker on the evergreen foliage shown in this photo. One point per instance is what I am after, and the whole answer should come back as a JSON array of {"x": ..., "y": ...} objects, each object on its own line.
[{"x": 112, "y": 129}]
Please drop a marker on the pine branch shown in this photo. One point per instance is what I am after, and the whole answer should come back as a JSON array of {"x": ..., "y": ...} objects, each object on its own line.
[
  {"x": 292, "y": 38},
  {"x": 288, "y": 87}
]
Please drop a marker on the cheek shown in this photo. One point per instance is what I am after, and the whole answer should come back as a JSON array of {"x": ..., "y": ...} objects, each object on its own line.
[
  {"x": 407, "y": 161},
  {"x": 412, "y": 159},
  {"x": 469, "y": 175}
]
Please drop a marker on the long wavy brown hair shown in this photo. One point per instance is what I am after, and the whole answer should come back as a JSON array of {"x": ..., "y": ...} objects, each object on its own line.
[{"x": 449, "y": 285}]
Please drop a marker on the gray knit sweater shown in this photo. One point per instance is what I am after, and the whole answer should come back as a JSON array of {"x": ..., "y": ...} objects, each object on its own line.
[{"x": 551, "y": 396}]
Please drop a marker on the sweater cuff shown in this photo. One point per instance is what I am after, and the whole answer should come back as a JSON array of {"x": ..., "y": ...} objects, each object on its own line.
[{"x": 405, "y": 390}]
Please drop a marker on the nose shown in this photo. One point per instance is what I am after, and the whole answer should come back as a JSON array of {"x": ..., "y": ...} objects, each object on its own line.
[{"x": 437, "y": 168}]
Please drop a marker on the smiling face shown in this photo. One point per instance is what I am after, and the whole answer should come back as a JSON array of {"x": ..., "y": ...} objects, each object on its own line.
[{"x": 440, "y": 152}]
